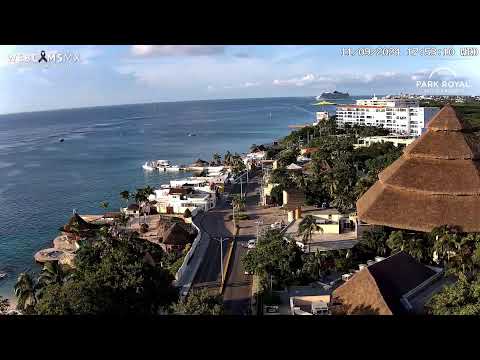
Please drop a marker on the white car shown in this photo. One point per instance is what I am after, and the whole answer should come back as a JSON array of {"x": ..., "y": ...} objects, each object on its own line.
[
  {"x": 301, "y": 245},
  {"x": 251, "y": 244}
]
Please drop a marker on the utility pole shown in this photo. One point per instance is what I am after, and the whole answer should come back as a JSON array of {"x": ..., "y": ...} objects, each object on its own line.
[
  {"x": 241, "y": 186},
  {"x": 234, "y": 223}
]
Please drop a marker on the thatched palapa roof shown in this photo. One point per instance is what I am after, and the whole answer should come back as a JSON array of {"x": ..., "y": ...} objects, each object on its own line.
[{"x": 436, "y": 181}]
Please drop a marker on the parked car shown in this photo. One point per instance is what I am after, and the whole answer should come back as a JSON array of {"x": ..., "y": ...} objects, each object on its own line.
[
  {"x": 251, "y": 243},
  {"x": 301, "y": 245},
  {"x": 247, "y": 273}
]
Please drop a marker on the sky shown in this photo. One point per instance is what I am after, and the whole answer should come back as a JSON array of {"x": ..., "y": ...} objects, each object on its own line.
[{"x": 128, "y": 74}]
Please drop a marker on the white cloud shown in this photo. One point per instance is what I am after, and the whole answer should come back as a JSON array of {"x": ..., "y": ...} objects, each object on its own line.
[
  {"x": 296, "y": 81},
  {"x": 247, "y": 84},
  {"x": 252, "y": 84},
  {"x": 176, "y": 50}
]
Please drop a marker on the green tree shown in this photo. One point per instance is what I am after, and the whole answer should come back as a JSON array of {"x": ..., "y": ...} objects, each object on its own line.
[
  {"x": 24, "y": 290},
  {"x": 125, "y": 195},
  {"x": 4, "y": 305},
  {"x": 140, "y": 198},
  {"x": 415, "y": 244},
  {"x": 104, "y": 205},
  {"x": 275, "y": 256},
  {"x": 288, "y": 156},
  {"x": 112, "y": 277},
  {"x": 277, "y": 194},
  {"x": 373, "y": 242},
  {"x": 217, "y": 158},
  {"x": 307, "y": 227},
  {"x": 239, "y": 202},
  {"x": 460, "y": 298},
  {"x": 52, "y": 273},
  {"x": 123, "y": 219},
  {"x": 227, "y": 158},
  {"x": 200, "y": 302}
]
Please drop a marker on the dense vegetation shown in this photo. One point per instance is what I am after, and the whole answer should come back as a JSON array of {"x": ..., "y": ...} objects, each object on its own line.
[
  {"x": 199, "y": 302},
  {"x": 339, "y": 173},
  {"x": 118, "y": 275}
]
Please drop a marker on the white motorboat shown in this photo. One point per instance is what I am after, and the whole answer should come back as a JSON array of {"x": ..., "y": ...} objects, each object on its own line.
[
  {"x": 2, "y": 275},
  {"x": 149, "y": 166},
  {"x": 163, "y": 163}
]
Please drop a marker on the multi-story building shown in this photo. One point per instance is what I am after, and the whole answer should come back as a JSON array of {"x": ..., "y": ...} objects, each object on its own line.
[{"x": 400, "y": 116}]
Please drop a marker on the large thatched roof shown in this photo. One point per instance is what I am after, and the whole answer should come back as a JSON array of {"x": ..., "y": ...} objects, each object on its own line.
[{"x": 436, "y": 181}]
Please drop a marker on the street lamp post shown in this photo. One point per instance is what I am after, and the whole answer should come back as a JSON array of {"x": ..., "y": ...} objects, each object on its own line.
[
  {"x": 258, "y": 222},
  {"x": 241, "y": 186}
]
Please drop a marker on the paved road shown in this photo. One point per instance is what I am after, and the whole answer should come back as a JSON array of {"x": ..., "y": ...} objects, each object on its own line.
[
  {"x": 213, "y": 225},
  {"x": 238, "y": 288}
]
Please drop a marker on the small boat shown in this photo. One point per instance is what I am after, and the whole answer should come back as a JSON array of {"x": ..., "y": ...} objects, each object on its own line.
[
  {"x": 163, "y": 163},
  {"x": 192, "y": 134},
  {"x": 3, "y": 275},
  {"x": 62, "y": 140},
  {"x": 172, "y": 168},
  {"x": 149, "y": 166}
]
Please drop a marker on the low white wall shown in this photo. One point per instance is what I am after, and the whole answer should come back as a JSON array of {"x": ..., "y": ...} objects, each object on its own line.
[{"x": 184, "y": 266}]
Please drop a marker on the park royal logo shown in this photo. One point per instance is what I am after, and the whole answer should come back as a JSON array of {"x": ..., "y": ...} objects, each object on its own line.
[{"x": 443, "y": 79}]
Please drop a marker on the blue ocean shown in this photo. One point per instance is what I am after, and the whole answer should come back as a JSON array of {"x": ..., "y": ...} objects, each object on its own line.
[{"x": 42, "y": 179}]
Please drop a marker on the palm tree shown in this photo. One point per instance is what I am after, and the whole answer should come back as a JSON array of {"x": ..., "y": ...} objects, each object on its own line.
[
  {"x": 239, "y": 202},
  {"x": 123, "y": 219},
  {"x": 125, "y": 194},
  {"x": 362, "y": 185},
  {"x": 445, "y": 243},
  {"x": 140, "y": 199},
  {"x": 104, "y": 205},
  {"x": 24, "y": 290},
  {"x": 227, "y": 158},
  {"x": 148, "y": 190},
  {"x": 216, "y": 158},
  {"x": 375, "y": 240},
  {"x": 52, "y": 273},
  {"x": 307, "y": 227}
]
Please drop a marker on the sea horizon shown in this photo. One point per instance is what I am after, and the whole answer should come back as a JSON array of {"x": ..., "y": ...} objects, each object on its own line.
[{"x": 178, "y": 101}]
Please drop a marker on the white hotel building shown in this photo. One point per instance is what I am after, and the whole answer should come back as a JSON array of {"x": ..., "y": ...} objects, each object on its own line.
[{"x": 400, "y": 116}]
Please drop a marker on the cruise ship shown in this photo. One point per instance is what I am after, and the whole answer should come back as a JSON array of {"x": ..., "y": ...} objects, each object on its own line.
[{"x": 333, "y": 95}]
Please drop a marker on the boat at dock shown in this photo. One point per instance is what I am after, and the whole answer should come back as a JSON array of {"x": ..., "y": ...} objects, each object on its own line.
[
  {"x": 149, "y": 166},
  {"x": 161, "y": 165}
]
